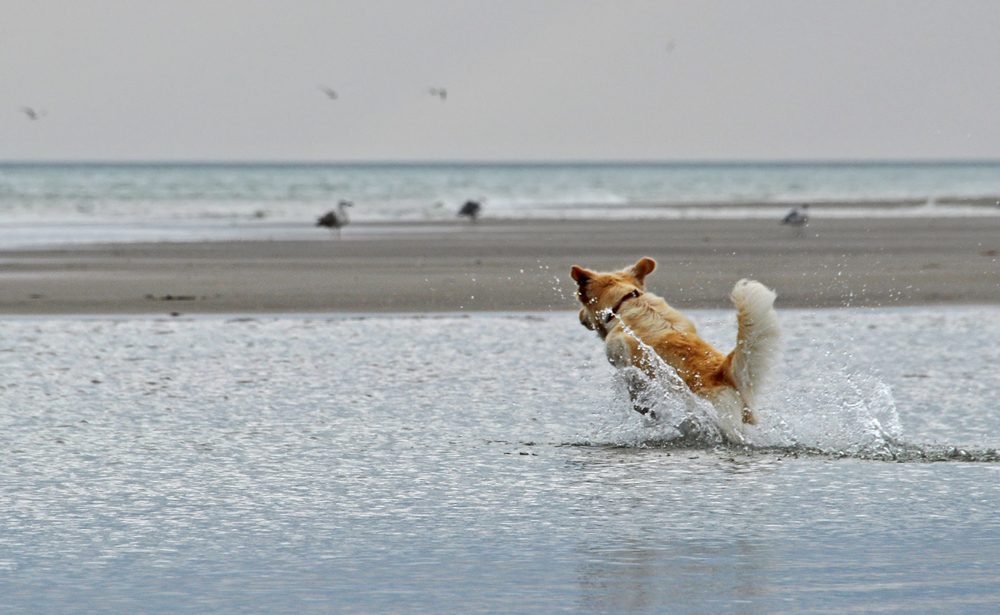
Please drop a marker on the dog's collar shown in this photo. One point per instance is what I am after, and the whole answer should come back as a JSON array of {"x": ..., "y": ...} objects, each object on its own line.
[{"x": 614, "y": 312}]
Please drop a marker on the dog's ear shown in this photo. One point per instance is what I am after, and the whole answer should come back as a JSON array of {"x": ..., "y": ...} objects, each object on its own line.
[
  {"x": 580, "y": 275},
  {"x": 643, "y": 268}
]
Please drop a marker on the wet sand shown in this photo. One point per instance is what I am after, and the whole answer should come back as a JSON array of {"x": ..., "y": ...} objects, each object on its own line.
[{"x": 516, "y": 266}]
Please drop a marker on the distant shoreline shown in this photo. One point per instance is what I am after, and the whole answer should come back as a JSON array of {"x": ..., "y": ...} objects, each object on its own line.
[
  {"x": 79, "y": 231},
  {"x": 516, "y": 265}
]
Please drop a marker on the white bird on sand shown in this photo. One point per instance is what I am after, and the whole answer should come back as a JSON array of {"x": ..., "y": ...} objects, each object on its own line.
[{"x": 337, "y": 218}]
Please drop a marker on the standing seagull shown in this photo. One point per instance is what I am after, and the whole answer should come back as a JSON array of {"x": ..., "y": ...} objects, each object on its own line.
[
  {"x": 471, "y": 210},
  {"x": 335, "y": 218},
  {"x": 439, "y": 92},
  {"x": 797, "y": 218}
]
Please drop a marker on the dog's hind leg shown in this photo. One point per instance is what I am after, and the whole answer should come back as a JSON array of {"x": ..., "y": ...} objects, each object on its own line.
[{"x": 732, "y": 414}]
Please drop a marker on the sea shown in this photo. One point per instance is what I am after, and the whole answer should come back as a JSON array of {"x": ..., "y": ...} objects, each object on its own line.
[
  {"x": 44, "y": 205},
  {"x": 489, "y": 462}
]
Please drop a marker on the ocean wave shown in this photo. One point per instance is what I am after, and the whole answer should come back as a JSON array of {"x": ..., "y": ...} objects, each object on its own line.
[{"x": 394, "y": 193}]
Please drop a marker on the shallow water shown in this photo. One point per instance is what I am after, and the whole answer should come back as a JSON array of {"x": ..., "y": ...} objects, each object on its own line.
[{"x": 488, "y": 463}]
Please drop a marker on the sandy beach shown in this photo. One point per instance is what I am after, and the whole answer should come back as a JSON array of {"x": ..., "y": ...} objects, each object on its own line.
[{"x": 515, "y": 266}]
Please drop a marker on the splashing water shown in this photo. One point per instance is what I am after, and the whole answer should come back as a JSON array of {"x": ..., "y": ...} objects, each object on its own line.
[
  {"x": 816, "y": 407},
  {"x": 676, "y": 417},
  {"x": 839, "y": 414}
]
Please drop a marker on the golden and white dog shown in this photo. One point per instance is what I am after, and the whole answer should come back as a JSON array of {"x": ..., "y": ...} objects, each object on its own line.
[{"x": 633, "y": 322}]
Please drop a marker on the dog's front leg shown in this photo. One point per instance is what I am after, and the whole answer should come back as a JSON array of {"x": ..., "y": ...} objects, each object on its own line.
[
  {"x": 620, "y": 350},
  {"x": 637, "y": 384}
]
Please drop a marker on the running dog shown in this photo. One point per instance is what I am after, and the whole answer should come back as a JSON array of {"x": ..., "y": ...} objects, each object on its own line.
[{"x": 633, "y": 323}]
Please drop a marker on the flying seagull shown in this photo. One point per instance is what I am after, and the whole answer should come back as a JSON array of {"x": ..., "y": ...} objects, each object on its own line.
[
  {"x": 439, "y": 92},
  {"x": 32, "y": 114},
  {"x": 335, "y": 218},
  {"x": 330, "y": 92}
]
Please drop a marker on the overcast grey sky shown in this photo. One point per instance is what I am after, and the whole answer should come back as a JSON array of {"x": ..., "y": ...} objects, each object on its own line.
[{"x": 526, "y": 80}]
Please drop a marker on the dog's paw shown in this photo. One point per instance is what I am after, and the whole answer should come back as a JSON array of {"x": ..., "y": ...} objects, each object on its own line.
[{"x": 643, "y": 410}]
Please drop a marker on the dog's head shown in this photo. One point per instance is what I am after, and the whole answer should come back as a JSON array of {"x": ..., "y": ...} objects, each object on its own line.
[{"x": 600, "y": 293}]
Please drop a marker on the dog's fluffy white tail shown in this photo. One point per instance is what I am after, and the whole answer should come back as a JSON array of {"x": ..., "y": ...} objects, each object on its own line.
[{"x": 758, "y": 341}]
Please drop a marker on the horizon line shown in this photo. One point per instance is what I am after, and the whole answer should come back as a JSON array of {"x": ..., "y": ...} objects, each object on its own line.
[{"x": 511, "y": 162}]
